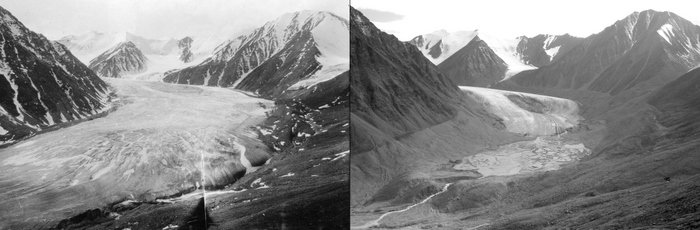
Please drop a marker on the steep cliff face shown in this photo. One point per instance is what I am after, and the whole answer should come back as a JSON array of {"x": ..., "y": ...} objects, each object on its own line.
[
  {"x": 42, "y": 83},
  {"x": 295, "y": 47},
  {"x": 474, "y": 65}
]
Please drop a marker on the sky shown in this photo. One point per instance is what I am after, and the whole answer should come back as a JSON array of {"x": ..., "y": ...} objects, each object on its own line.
[
  {"x": 408, "y": 18},
  {"x": 158, "y": 19}
]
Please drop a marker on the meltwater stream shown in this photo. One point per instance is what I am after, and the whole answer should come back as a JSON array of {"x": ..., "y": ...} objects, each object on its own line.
[{"x": 376, "y": 222}]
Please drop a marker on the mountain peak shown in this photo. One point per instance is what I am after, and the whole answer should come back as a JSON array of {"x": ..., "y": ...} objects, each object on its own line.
[
  {"x": 124, "y": 58},
  {"x": 127, "y": 44},
  {"x": 641, "y": 23}
]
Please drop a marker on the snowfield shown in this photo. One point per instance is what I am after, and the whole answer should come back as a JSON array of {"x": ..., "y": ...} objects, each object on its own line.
[
  {"x": 151, "y": 146},
  {"x": 527, "y": 113}
]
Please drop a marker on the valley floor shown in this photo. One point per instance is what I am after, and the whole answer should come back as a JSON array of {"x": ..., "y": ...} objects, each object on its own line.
[
  {"x": 522, "y": 158},
  {"x": 159, "y": 142}
]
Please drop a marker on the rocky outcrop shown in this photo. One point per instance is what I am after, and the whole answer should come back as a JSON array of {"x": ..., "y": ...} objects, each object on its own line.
[{"x": 185, "y": 45}]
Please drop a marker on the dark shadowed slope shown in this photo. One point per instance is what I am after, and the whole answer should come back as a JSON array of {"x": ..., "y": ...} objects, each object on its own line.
[
  {"x": 42, "y": 83},
  {"x": 394, "y": 87}
]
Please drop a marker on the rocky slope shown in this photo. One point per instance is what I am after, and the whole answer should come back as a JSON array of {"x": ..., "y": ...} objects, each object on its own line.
[
  {"x": 404, "y": 115},
  {"x": 647, "y": 177},
  {"x": 644, "y": 50},
  {"x": 297, "y": 47},
  {"x": 185, "y": 46},
  {"x": 123, "y": 59},
  {"x": 474, "y": 65},
  {"x": 542, "y": 49},
  {"x": 43, "y": 84}
]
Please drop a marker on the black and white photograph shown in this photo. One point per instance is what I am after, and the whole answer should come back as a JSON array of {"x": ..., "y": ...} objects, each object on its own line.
[
  {"x": 349, "y": 114},
  {"x": 131, "y": 114},
  {"x": 525, "y": 114}
]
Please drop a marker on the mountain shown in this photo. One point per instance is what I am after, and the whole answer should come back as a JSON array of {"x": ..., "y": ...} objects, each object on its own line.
[
  {"x": 405, "y": 116},
  {"x": 42, "y": 83},
  {"x": 185, "y": 46},
  {"x": 439, "y": 45},
  {"x": 90, "y": 45},
  {"x": 644, "y": 173},
  {"x": 162, "y": 55},
  {"x": 125, "y": 58},
  {"x": 296, "y": 47},
  {"x": 518, "y": 54},
  {"x": 387, "y": 93},
  {"x": 474, "y": 65},
  {"x": 642, "y": 51},
  {"x": 394, "y": 91},
  {"x": 542, "y": 49}
]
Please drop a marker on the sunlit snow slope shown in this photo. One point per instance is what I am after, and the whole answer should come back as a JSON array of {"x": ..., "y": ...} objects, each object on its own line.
[{"x": 527, "y": 113}]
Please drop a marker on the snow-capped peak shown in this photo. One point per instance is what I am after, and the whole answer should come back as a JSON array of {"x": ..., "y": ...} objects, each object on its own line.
[
  {"x": 448, "y": 43},
  {"x": 325, "y": 27},
  {"x": 451, "y": 42},
  {"x": 666, "y": 32}
]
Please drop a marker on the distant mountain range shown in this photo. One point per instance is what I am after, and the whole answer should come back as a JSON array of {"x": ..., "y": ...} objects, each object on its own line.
[
  {"x": 491, "y": 58},
  {"x": 155, "y": 57}
]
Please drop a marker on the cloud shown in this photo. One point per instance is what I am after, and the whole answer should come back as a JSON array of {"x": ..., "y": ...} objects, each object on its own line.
[{"x": 380, "y": 16}]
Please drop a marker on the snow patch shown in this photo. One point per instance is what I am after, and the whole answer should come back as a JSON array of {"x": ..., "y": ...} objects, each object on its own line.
[
  {"x": 288, "y": 175},
  {"x": 552, "y": 52},
  {"x": 340, "y": 155},
  {"x": 666, "y": 32},
  {"x": 325, "y": 74}
]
